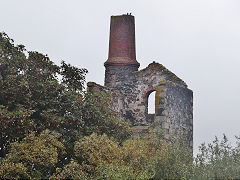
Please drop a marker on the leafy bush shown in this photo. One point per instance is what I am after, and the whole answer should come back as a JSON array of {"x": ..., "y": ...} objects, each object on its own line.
[
  {"x": 122, "y": 172},
  {"x": 96, "y": 149},
  {"x": 100, "y": 119},
  {"x": 34, "y": 157},
  {"x": 173, "y": 161},
  {"x": 102, "y": 157},
  {"x": 71, "y": 171},
  {"x": 218, "y": 160},
  {"x": 107, "y": 159}
]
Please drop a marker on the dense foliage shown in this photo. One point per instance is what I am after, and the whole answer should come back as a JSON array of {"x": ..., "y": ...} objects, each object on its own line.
[
  {"x": 50, "y": 128},
  {"x": 34, "y": 157},
  {"x": 36, "y": 94},
  {"x": 103, "y": 157}
]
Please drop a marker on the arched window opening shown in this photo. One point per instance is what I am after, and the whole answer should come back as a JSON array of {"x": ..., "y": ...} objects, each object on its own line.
[
  {"x": 151, "y": 103},
  {"x": 151, "y": 106}
]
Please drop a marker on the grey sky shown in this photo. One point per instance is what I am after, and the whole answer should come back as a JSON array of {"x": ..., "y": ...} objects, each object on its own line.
[{"x": 198, "y": 40}]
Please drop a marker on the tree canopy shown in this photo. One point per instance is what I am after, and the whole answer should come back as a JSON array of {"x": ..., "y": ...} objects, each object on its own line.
[{"x": 36, "y": 94}]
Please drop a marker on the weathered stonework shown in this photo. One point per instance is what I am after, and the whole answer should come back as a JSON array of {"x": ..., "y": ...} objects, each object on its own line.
[
  {"x": 120, "y": 77},
  {"x": 130, "y": 87}
]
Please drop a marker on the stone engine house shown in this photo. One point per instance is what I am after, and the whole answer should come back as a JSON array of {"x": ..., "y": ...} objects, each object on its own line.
[{"x": 130, "y": 87}]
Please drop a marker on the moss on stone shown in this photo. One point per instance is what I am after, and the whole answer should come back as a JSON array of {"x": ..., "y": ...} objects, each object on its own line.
[
  {"x": 159, "y": 90},
  {"x": 89, "y": 84},
  {"x": 155, "y": 67},
  {"x": 162, "y": 82}
]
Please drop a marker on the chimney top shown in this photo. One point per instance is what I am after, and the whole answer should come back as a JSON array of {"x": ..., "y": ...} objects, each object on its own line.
[{"x": 122, "y": 49}]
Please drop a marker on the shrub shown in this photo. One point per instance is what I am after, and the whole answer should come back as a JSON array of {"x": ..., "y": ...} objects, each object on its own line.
[
  {"x": 105, "y": 158},
  {"x": 71, "y": 171},
  {"x": 35, "y": 156},
  {"x": 218, "y": 160}
]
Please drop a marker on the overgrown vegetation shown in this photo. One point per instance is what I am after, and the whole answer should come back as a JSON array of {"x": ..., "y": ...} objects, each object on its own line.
[{"x": 50, "y": 128}]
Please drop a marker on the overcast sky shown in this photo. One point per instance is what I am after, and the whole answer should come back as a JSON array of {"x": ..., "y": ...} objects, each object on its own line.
[{"x": 198, "y": 40}]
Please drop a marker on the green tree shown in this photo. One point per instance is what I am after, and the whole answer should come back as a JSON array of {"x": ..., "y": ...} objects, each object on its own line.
[
  {"x": 99, "y": 118},
  {"x": 31, "y": 96},
  {"x": 103, "y": 157},
  {"x": 173, "y": 161},
  {"x": 73, "y": 170},
  {"x": 36, "y": 94},
  {"x": 218, "y": 160},
  {"x": 34, "y": 157}
]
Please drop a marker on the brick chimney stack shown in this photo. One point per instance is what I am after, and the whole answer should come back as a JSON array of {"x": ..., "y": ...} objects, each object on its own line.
[
  {"x": 122, "y": 49},
  {"x": 122, "y": 52}
]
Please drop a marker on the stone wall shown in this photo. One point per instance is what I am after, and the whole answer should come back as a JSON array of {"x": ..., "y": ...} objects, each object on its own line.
[
  {"x": 120, "y": 77},
  {"x": 174, "y": 111},
  {"x": 145, "y": 82},
  {"x": 130, "y": 90},
  {"x": 117, "y": 98}
]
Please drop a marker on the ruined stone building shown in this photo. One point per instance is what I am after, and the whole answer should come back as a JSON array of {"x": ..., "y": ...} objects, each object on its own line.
[{"x": 130, "y": 87}]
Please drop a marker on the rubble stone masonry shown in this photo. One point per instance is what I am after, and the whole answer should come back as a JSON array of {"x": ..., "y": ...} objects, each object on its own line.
[{"x": 130, "y": 87}]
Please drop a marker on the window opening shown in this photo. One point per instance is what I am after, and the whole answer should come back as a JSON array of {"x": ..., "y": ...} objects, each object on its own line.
[{"x": 151, "y": 103}]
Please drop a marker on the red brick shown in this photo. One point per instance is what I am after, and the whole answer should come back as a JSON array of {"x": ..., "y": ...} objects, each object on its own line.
[{"x": 122, "y": 40}]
